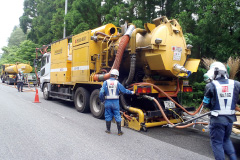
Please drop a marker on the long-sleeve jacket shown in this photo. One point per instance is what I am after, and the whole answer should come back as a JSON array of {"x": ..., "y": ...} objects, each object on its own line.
[
  {"x": 104, "y": 91},
  {"x": 211, "y": 99}
]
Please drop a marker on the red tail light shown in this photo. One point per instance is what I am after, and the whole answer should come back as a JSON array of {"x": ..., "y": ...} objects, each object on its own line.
[
  {"x": 139, "y": 90},
  {"x": 144, "y": 89},
  {"x": 187, "y": 89},
  {"x": 149, "y": 90}
]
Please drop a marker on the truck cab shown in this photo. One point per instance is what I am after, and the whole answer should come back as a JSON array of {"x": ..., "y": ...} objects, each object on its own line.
[{"x": 45, "y": 69}]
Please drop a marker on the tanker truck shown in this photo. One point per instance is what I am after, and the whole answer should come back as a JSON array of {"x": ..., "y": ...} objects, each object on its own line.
[
  {"x": 150, "y": 62},
  {"x": 3, "y": 72},
  {"x": 9, "y": 71}
]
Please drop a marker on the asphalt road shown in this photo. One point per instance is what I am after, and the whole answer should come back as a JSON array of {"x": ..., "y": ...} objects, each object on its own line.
[{"x": 55, "y": 130}]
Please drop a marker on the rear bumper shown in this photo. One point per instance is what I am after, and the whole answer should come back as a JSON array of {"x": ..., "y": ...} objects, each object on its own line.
[
  {"x": 31, "y": 82},
  {"x": 11, "y": 81}
]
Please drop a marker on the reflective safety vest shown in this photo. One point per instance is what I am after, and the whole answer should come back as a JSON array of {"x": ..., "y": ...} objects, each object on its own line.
[
  {"x": 112, "y": 90},
  {"x": 20, "y": 78},
  {"x": 225, "y": 99}
]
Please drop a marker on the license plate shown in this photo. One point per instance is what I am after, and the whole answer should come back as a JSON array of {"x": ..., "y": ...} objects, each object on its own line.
[
  {"x": 169, "y": 104},
  {"x": 31, "y": 83}
]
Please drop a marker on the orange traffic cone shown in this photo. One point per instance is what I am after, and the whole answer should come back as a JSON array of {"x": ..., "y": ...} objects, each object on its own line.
[{"x": 36, "y": 97}]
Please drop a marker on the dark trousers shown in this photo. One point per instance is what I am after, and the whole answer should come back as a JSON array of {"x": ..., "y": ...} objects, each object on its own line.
[
  {"x": 20, "y": 86},
  {"x": 221, "y": 142}
]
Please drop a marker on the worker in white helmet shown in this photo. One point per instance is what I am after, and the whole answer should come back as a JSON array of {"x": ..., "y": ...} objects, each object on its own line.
[
  {"x": 20, "y": 79},
  {"x": 109, "y": 94},
  {"x": 221, "y": 96}
]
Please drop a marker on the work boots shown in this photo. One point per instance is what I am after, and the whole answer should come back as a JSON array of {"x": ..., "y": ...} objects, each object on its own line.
[
  {"x": 119, "y": 128},
  {"x": 108, "y": 124}
]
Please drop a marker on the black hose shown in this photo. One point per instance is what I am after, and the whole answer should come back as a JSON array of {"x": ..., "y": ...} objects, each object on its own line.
[
  {"x": 190, "y": 120},
  {"x": 132, "y": 70},
  {"x": 129, "y": 80},
  {"x": 124, "y": 103}
]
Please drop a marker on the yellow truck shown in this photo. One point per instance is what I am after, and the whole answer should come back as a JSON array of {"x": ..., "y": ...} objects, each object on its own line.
[
  {"x": 9, "y": 71},
  {"x": 150, "y": 62},
  {"x": 4, "y": 73}
]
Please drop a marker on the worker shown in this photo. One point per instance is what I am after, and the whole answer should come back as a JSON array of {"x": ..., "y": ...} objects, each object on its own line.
[
  {"x": 220, "y": 96},
  {"x": 109, "y": 94},
  {"x": 20, "y": 79}
]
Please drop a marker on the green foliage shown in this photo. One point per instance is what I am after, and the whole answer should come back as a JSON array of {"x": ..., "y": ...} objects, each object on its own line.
[
  {"x": 198, "y": 76},
  {"x": 218, "y": 28},
  {"x": 196, "y": 81},
  {"x": 24, "y": 53},
  {"x": 138, "y": 23},
  {"x": 9, "y": 55},
  {"x": 30, "y": 11},
  {"x": 193, "y": 98},
  {"x": 16, "y": 37},
  {"x": 44, "y": 19}
]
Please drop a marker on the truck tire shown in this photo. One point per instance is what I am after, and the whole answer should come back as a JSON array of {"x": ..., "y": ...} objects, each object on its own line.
[
  {"x": 8, "y": 81},
  {"x": 81, "y": 100},
  {"x": 96, "y": 107},
  {"x": 45, "y": 92}
]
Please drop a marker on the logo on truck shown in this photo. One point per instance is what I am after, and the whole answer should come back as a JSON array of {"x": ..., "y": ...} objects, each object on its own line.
[
  {"x": 81, "y": 39},
  {"x": 59, "y": 51}
]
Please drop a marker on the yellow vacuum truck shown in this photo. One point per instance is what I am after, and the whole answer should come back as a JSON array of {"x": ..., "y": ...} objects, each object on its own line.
[
  {"x": 4, "y": 73},
  {"x": 9, "y": 71},
  {"x": 150, "y": 62}
]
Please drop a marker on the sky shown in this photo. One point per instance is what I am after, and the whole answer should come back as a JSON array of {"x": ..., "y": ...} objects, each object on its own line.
[{"x": 10, "y": 12}]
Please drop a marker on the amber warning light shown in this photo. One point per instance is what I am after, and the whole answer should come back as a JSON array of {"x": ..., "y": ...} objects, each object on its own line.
[
  {"x": 187, "y": 89},
  {"x": 144, "y": 89}
]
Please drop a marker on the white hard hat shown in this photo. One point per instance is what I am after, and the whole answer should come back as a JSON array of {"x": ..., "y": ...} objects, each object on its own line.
[
  {"x": 218, "y": 65},
  {"x": 114, "y": 72},
  {"x": 219, "y": 70}
]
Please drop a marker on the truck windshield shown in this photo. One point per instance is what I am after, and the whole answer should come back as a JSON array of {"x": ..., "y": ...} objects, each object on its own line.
[{"x": 43, "y": 62}]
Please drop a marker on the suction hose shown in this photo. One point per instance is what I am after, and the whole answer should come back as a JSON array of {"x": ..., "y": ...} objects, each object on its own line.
[
  {"x": 132, "y": 70},
  {"x": 124, "y": 103},
  {"x": 133, "y": 54},
  {"x": 132, "y": 63},
  {"x": 122, "y": 45},
  {"x": 165, "y": 117},
  {"x": 160, "y": 90}
]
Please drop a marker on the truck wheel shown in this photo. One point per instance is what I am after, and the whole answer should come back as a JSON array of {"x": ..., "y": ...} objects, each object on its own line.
[
  {"x": 7, "y": 81},
  {"x": 45, "y": 92},
  {"x": 81, "y": 100},
  {"x": 96, "y": 107}
]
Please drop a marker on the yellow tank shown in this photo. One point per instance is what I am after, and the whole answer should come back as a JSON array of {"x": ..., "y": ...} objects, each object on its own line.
[
  {"x": 26, "y": 68},
  {"x": 162, "y": 49},
  {"x": 7, "y": 65}
]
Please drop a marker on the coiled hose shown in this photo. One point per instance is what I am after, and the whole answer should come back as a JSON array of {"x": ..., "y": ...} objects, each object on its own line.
[
  {"x": 165, "y": 117},
  {"x": 161, "y": 91}
]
